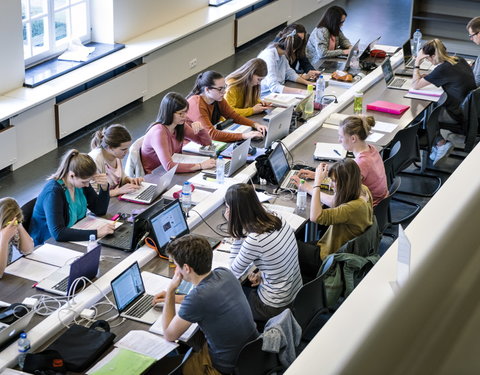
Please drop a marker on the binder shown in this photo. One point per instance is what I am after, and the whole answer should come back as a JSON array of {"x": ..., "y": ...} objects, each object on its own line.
[{"x": 383, "y": 106}]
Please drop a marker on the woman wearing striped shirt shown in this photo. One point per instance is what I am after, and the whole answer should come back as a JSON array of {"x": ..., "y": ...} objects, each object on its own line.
[{"x": 269, "y": 243}]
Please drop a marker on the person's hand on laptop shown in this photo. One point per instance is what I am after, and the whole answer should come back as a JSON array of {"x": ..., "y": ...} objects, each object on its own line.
[
  {"x": 101, "y": 180},
  {"x": 306, "y": 186},
  {"x": 159, "y": 298},
  {"x": 261, "y": 128},
  {"x": 252, "y": 134},
  {"x": 108, "y": 228},
  {"x": 346, "y": 51},
  {"x": 126, "y": 189},
  {"x": 135, "y": 180},
  {"x": 207, "y": 164}
]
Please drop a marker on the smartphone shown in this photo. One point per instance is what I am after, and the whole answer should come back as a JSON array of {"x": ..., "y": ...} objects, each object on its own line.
[{"x": 7, "y": 313}]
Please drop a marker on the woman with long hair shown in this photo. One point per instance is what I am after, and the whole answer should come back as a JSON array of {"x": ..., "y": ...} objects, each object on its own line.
[
  {"x": 350, "y": 215},
  {"x": 243, "y": 88},
  {"x": 279, "y": 69},
  {"x": 455, "y": 77},
  {"x": 108, "y": 147},
  {"x": 269, "y": 243},
  {"x": 327, "y": 39},
  {"x": 208, "y": 106},
  {"x": 167, "y": 134},
  {"x": 14, "y": 239},
  {"x": 65, "y": 198}
]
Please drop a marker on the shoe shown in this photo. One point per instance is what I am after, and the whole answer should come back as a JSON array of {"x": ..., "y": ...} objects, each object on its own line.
[
  {"x": 442, "y": 152},
  {"x": 433, "y": 153}
]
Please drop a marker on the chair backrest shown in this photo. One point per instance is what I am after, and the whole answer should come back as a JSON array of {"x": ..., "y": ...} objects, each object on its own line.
[
  {"x": 365, "y": 244},
  {"x": 133, "y": 165},
  {"x": 389, "y": 162},
  {"x": 471, "y": 113},
  {"x": 178, "y": 370},
  {"x": 382, "y": 213},
  {"x": 252, "y": 360},
  {"x": 27, "y": 210},
  {"x": 409, "y": 149}
]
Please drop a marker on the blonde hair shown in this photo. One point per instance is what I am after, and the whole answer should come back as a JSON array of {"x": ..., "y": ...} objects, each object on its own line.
[
  {"x": 9, "y": 210},
  {"x": 358, "y": 125},
  {"x": 82, "y": 165},
  {"x": 436, "y": 48},
  {"x": 242, "y": 77}
]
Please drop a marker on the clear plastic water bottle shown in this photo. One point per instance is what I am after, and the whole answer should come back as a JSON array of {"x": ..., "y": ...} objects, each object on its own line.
[
  {"x": 417, "y": 41},
  {"x": 319, "y": 90},
  {"x": 92, "y": 242},
  {"x": 301, "y": 198},
  {"x": 309, "y": 103},
  {"x": 220, "y": 170},
  {"x": 23, "y": 348},
  {"x": 186, "y": 196},
  {"x": 355, "y": 62}
]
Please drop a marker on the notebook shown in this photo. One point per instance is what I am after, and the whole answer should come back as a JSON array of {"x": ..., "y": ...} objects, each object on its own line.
[
  {"x": 238, "y": 159},
  {"x": 278, "y": 127},
  {"x": 392, "y": 81},
  {"x": 60, "y": 281},
  {"x": 329, "y": 151},
  {"x": 329, "y": 66},
  {"x": 388, "y": 107},
  {"x": 148, "y": 192},
  {"x": 130, "y": 297},
  {"x": 10, "y": 332},
  {"x": 170, "y": 223},
  {"x": 281, "y": 169}
]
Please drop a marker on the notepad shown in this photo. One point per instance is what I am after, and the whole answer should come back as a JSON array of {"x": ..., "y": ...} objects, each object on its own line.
[
  {"x": 329, "y": 151},
  {"x": 429, "y": 90},
  {"x": 388, "y": 107},
  {"x": 122, "y": 361}
]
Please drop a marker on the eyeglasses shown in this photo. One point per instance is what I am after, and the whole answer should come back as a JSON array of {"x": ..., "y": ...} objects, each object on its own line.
[
  {"x": 472, "y": 35},
  {"x": 220, "y": 89}
]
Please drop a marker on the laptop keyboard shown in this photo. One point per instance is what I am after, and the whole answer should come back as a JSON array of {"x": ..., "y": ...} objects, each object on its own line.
[
  {"x": 398, "y": 82},
  {"x": 62, "y": 285},
  {"x": 147, "y": 194},
  {"x": 227, "y": 166},
  {"x": 140, "y": 307},
  {"x": 290, "y": 184}
]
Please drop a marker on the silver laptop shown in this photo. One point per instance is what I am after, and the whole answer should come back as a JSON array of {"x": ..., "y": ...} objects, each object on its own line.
[
  {"x": 330, "y": 66},
  {"x": 60, "y": 281},
  {"x": 10, "y": 332},
  {"x": 281, "y": 169},
  {"x": 130, "y": 297},
  {"x": 409, "y": 61},
  {"x": 368, "y": 48},
  {"x": 392, "y": 81},
  {"x": 278, "y": 126},
  {"x": 148, "y": 192},
  {"x": 237, "y": 159}
]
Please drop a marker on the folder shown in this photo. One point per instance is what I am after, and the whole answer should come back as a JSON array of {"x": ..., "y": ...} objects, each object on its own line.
[{"x": 383, "y": 106}]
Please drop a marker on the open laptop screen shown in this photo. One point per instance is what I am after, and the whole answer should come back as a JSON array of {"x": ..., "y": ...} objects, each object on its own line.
[
  {"x": 168, "y": 223},
  {"x": 407, "y": 51},
  {"x": 127, "y": 286},
  {"x": 387, "y": 71},
  {"x": 279, "y": 163}
]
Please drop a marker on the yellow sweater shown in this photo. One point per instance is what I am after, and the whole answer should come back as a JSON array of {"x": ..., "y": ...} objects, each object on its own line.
[{"x": 235, "y": 99}]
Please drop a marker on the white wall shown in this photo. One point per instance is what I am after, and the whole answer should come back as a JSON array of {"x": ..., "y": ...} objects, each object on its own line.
[
  {"x": 133, "y": 18},
  {"x": 101, "y": 12},
  {"x": 12, "y": 66}
]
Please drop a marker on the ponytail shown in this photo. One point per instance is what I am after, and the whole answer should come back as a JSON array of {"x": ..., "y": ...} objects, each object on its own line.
[
  {"x": 289, "y": 43},
  {"x": 358, "y": 125},
  {"x": 204, "y": 80},
  {"x": 112, "y": 137},
  {"x": 82, "y": 165}
]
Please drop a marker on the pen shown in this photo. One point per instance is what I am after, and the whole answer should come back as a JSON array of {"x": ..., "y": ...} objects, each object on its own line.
[
  {"x": 335, "y": 151},
  {"x": 209, "y": 179},
  {"x": 34, "y": 285}
]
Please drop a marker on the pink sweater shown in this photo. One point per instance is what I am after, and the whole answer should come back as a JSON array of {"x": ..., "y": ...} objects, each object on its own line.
[
  {"x": 373, "y": 173},
  {"x": 160, "y": 144}
]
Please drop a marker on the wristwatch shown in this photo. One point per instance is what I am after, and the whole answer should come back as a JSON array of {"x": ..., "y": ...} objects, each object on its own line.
[{"x": 416, "y": 67}]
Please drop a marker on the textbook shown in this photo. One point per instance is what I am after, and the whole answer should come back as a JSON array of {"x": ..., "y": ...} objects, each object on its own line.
[
  {"x": 283, "y": 100},
  {"x": 429, "y": 90},
  {"x": 329, "y": 151},
  {"x": 214, "y": 149},
  {"x": 336, "y": 118},
  {"x": 388, "y": 107}
]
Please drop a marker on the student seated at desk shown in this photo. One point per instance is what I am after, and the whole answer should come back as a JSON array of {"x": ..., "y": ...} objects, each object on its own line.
[
  {"x": 298, "y": 59},
  {"x": 207, "y": 106},
  {"x": 269, "y": 243},
  {"x": 455, "y": 76},
  {"x": 216, "y": 303},
  {"x": 352, "y": 133},
  {"x": 65, "y": 198},
  {"x": 473, "y": 28},
  {"x": 14, "y": 239},
  {"x": 243, "y": 88},
  {"x": 108, "y": 147},
  {"x": 279, "y": 69},
  {"x": 167, "y": 134},
  {"x": 327, "y": 39},
  {"x": 350, "y": 215}
]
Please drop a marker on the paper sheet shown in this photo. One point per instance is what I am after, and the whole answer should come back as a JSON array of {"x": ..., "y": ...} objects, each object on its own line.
[
  {"x": 220, "y": 259},
  {"x": 262, "y": 197},
  {"x": 146, "y": 343},
  {"x": 29, "y": 269},
  {"x": 384, "y": 127},
  {"x": 123, "y": 362},
  {"x": 154, "y": 283},
  {"x": 294, "y": 220},
  {"x": 158, "y": 328},
  {"x": 374, "y": 137},
  {"x": 90, "y": 222},
  {"x": 190, "y": 159},
  {"x": 429, "y": 98},
  {"x": 329, "y": 151},
  {"x": 54, "y": 255}
]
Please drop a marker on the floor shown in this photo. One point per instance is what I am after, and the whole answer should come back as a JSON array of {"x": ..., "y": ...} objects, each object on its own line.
[{"x": 366, "y": 20}]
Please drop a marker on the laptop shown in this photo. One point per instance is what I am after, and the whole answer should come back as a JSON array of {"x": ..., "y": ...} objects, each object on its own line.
[
  {"x": 148, "y": 192},
  {"x": 237, "y": 160},
  {"x": 130, "y": 297},
  {"x": 330, "y": 66},
  {"x": 169, "y": 223},
  {"x": 10, "y": 332},
  {"x": 368, "y": 48},
  {"x": 300, "y": 108},
  {"x": 392, "y": 81},
  {"x": 409, "y": 61},
  {"x": 281, "y": 169},
  {"x": 59, "y": 282},
  {"x": 127, "y": 235},
  {"x": 278, "y": 127}
]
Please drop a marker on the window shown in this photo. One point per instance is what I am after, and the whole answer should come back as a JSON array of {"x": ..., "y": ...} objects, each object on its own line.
[{"x": 48, "y": 26}]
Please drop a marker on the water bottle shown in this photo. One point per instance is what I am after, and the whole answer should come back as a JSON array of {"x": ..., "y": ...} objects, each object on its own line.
[
  {"x": 220, "y": 170},
  {"x": 309, "y": 103},
  {"x": 301, "y": 198},
  {"x": 23, "y": 349},
  {"x": 358, "y": 103},
  {"x": 186, "y": 196},
  {"x": 417, "y": 41},
  {"x": 319, "y": 90},
  {"x": 92, "y": 242},
  {"x": 355, "y": 62}
]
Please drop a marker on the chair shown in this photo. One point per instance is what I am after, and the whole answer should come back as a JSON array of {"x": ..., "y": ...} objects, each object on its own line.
[
  {"x": 384, "y": 220},
  {"x": 169, "y": 365},
  {"x": 133, "y": 165},
  {"x": 252, "y": 360},
  {"x": 27, "y": 210}
]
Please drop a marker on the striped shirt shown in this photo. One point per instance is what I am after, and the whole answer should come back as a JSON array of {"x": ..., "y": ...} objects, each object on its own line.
[{"x": 275, "y": 254}]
